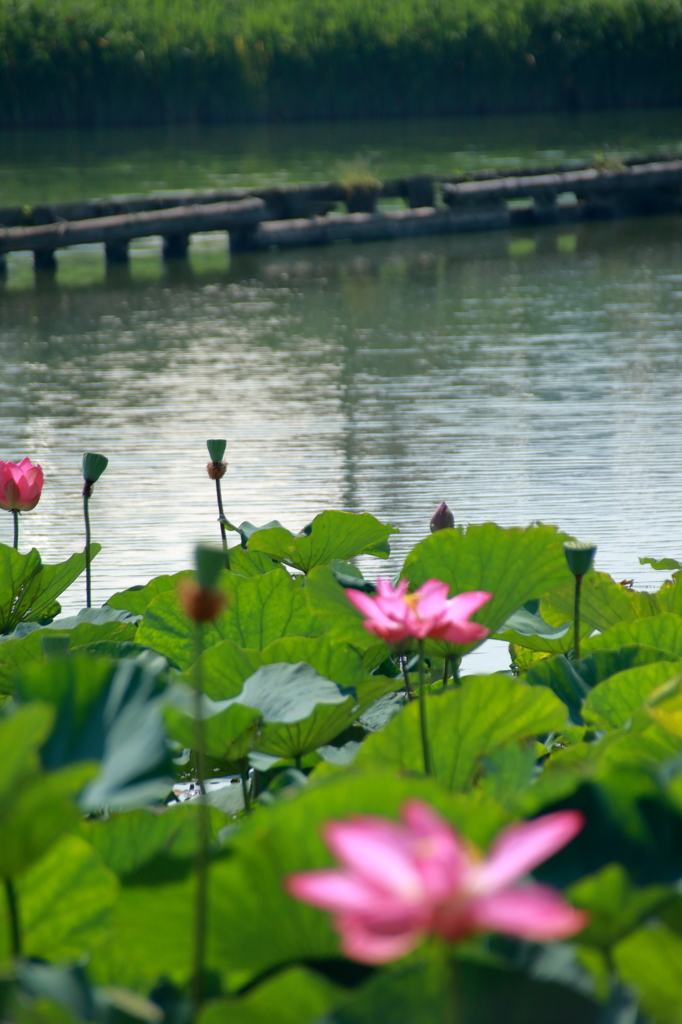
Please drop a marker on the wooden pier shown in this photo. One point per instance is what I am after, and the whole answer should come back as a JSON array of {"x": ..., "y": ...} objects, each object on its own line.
[{"x": 300, "y": 216}]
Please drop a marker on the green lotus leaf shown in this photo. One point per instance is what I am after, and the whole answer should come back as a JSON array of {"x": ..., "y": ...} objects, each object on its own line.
[
  {"x": 669, "y": 597},
  {"x": 649, "y": 961},
  {"x": 151, "y": 928},
  {"x": 603, "y": 603},
  {"x": 323, "y": 725},
  {"x": 129, "y": 840},
  {"x": 28, "y": 588},
  {"x": 296, "y": 995},
  {"x": 250, "y": 563},
  {"x": 529, "y": 630},
  {"x": 664, "y": 564},
  {"x": 84, "y": 638},
  {"x": 247, "y": 530},
  {"x": 332, "y": 536},
  {"x": 342, "y": 620},
  {"x": 514, "y": 565},
  {"x": 465, "y": 724},
  {"x": 225, "y": 666},
  {"x": 137, "y": 599},
  {"x": 259, "y": 609},
  {"x": 35, "y": 808},
  {"x": 614, "y": 702},
  {"x": 661, "y": 631},
  {"x": 573, "y": 680},
  {"x": 109, "y": 711},
  {"x": 229, "y": 735},
  {"x": 300, "y": 710},
  {"x": 65, "y": 902},
  {"x": 21, "y": 736},
  {"x": 615, "y": 905}
]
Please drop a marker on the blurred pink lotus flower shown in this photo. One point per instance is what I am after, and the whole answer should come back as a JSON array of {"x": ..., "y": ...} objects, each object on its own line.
[
  {"x": 395, "y": 615},
  {"x": 400, "y": 883},
  {"x": 20, "y": 485}
]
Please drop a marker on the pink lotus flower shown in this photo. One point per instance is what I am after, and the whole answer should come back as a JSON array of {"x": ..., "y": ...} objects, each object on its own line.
[
  {"x": 401, "y": 883},
  {"x": 395, "y": 615},
  {"x": 20, "y": 485}
]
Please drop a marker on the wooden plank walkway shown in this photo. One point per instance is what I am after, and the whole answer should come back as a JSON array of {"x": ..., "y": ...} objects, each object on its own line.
[{"x": 307, "y": 215}]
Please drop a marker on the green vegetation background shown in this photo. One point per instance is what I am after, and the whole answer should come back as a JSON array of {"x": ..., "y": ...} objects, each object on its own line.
[{"x": 159, "y": 61}]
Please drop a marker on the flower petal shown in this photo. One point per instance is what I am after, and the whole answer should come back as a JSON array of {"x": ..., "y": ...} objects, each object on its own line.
[
  {"x": 464, "y": 605},
  {"x": 386, "y": 588},
  {"x": 439, "y": 854},
  {"x": 433, "y": 598},
  {"x": 330, "y": 890},
  {"x": 460, "y": 632},
  {"x": 369, "y": 946},
  {"x": 379, "y": 851},
  {"x": 11, "y": 498},
  {"x": 534, "y": 912},
  {"x": 363, "y": 602},
  {"x": 520, "y": 848}
]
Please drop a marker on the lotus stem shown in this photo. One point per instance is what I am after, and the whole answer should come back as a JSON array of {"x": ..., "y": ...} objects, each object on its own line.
[
  {"x": 13, "y": 914},
  {"x": 87, "y": 490},
  {"x": 15, "y": 514},
  {"x": 426, "y": 753},
  {"x": 456, "y": 661},
  {"x": 446, "y": 672},
  {"x": 576, "y": 618},
  {"x": 223, "y": 531},
  {"x": 201, "y": 895},
  {"x": 244, "y": 772},
  {"x": 406, "y": 677}
]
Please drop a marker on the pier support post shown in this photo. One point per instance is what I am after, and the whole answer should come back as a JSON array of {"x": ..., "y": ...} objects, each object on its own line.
[
  {"x": 362, "y": 199},
  {"x": 242, "y": 239},
  {"x": 175, "y": 247},
  {"x": 419, "y": 192},
  {"x": 116, "y": 252},
  {"x": 44, "y": 259}
]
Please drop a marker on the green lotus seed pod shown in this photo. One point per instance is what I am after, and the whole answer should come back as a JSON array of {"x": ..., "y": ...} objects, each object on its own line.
[
  {"x": 216, "y": 449},
  {"x": 579, "y": 556},
  {"x": 93, "y": 466},
  {"x": 55, "y": 643},
  {"x": 209, "y": 562}
]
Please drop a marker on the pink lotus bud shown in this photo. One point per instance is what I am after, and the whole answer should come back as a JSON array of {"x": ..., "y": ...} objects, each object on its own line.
[
  {"x": 21, "y": 485},
  {"x": 442, "y": 518}
]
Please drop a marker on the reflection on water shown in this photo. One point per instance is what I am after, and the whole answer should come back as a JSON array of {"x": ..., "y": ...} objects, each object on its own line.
[
  {"x": 42, "y": 166},
  {"x": 520, "y": 377}
]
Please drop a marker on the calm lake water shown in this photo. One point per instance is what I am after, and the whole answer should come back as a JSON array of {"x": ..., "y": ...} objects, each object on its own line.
[{"x": 520, "y": 376}]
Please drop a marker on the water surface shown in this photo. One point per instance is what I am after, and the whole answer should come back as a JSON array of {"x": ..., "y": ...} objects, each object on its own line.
[{"x": 519, "y": 375}]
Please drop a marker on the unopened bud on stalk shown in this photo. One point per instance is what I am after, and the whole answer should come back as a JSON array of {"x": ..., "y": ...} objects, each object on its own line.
[
  {"x": 579, "y": 556},
  {"x": 442, "y": 518},
  {"x": 199, "y": 598},
  {"x": 216, "y": 468}
]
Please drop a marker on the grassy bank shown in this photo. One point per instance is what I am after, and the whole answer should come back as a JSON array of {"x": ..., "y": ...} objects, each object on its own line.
[{"x": 160, "y": 61}]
